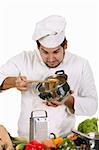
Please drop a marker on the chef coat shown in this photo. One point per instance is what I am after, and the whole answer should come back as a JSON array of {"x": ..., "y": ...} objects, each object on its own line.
[{"x": 80, "y": 79}]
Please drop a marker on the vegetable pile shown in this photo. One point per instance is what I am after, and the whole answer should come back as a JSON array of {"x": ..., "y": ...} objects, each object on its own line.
[{"x": 71, "y": 142}]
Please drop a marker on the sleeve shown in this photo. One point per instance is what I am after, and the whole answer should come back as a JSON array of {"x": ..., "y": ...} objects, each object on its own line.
[
  {"x": 86, "y": 100},
  {"x": 11, "y": 68}
]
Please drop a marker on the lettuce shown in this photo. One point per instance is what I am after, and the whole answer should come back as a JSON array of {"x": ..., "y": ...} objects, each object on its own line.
[{"x": 88, "y": 125}]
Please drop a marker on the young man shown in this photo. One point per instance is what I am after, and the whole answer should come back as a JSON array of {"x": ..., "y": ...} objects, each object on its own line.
[{"x": 50, "y": 57}]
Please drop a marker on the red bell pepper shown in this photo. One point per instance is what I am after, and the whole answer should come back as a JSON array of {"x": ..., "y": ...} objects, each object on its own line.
[
  {"x": 30, "y": 147},
  {"x": 34, "y": 145}
]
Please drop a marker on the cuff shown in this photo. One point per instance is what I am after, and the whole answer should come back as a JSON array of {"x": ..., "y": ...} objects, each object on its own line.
[{"x": 1, "y": 82}]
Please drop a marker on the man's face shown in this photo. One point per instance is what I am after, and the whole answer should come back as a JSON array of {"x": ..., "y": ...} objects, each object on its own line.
[{"x": 52, "y": 57}]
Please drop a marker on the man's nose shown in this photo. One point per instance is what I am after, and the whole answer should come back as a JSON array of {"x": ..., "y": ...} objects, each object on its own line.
[{"x": 50, "y": 58}]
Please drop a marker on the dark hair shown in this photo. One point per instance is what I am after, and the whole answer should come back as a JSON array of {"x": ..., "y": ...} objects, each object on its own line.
[
  {"x": 63, "y": 44},
  {"x": 38, "y": 43}
]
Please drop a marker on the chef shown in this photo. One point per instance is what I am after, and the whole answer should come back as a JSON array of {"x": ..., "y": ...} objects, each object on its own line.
[{"x": 50, "y": 56}]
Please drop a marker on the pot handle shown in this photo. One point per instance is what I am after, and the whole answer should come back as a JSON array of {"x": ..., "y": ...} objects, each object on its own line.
[{"x": 60, "y": 72}]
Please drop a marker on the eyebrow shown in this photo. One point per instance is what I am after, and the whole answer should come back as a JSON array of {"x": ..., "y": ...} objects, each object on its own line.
[
  {"x": 57, "y": 49},
  {"x": 54, "y": 50}
]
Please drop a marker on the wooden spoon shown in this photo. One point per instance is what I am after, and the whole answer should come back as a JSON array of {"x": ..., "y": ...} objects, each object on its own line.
[{"x": 43, "y": 81}]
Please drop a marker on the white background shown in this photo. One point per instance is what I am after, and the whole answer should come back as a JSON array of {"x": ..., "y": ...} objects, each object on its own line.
[{"x": 17, "y": 21}]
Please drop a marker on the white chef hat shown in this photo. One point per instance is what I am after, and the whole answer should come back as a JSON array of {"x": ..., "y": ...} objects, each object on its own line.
[{"x": 50, "y": 32}]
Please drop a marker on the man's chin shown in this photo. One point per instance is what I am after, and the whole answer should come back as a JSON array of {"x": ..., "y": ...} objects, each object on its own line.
[{"x": 52, "y": 65}]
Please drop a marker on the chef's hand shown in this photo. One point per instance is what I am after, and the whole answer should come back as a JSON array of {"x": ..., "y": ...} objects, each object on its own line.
[
  {"x": 54, "y": 102},
  {"x": 21, "y": 83},
  {"x": 68, "y": 101}
]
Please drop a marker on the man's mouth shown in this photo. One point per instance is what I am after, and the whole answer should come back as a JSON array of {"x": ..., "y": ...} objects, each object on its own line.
[{"x": 52, "y": 64}]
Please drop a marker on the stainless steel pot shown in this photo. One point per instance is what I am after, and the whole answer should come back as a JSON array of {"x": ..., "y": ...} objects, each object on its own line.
[{"x": 59, "y": 89}]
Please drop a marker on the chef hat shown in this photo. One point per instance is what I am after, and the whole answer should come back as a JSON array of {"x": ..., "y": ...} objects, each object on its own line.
[{"x": 50, "y": 32}]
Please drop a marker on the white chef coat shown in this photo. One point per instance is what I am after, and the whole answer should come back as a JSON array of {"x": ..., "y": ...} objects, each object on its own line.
[{"x": 80, "y": 79}]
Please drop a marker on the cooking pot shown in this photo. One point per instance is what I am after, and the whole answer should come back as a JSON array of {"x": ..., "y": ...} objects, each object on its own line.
[{"x": 57, "y": 89}]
